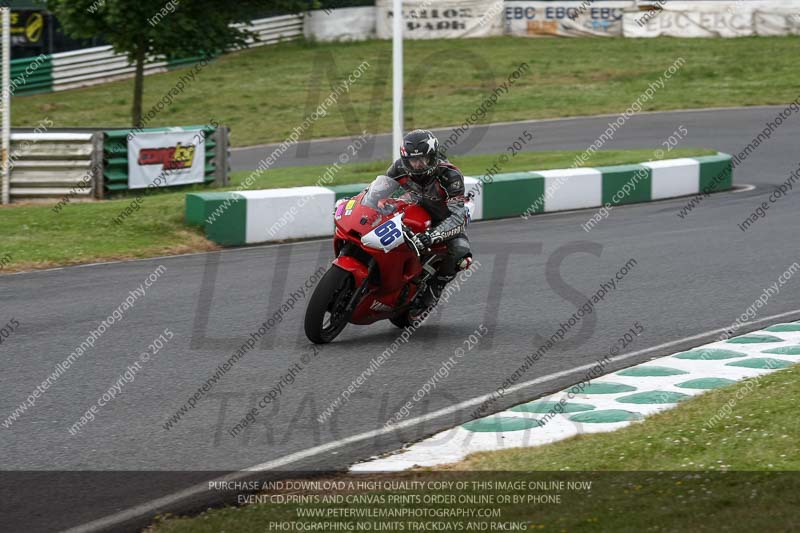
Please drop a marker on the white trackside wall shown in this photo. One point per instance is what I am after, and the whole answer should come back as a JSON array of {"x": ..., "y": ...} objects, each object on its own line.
[
  {"x": 572, "y": 188},
  {"x": 294, "y": 213},
  {"x": 472, "y": 185},
  {"x": 674, "y": 177}
]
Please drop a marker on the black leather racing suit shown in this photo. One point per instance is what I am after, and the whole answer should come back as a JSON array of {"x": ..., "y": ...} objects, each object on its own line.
[{"x": 443, "y": 198}]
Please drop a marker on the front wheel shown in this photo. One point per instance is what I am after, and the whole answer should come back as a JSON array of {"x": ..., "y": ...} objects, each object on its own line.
[{"x": 326, "y": 314}]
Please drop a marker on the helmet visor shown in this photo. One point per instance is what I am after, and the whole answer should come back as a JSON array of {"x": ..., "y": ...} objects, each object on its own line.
[{"x": 418, "y": 163}]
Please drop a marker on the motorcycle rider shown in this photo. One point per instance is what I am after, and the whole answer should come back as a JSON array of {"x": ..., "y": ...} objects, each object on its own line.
[{"x": 421, "y": 169}]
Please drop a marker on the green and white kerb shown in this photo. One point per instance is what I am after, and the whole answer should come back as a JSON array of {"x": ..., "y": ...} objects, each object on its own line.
[
  {"x": 612, "y": 401},
  {"x": 249, "y": 217}
]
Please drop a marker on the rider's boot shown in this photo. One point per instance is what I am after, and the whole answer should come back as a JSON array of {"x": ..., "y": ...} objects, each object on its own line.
[
  {"x": 428, "y": 299},
  {"x": 433, "y": 291}
]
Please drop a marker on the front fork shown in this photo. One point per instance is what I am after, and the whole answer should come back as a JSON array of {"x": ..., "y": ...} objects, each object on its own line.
[{"x": 362, "y": 289}]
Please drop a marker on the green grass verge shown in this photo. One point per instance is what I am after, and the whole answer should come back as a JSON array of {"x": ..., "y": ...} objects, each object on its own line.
[
  {"x": 697, "y": 488},
  {"x": 36, "y": 237},
  {"x": 762, "y": 433},
  {"x": 263, "y": 93}
]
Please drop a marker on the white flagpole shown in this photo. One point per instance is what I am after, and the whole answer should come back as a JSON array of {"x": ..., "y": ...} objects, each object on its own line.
[
  {"x": 397, "y": 87},
  {"x": 5, "y": 108}
]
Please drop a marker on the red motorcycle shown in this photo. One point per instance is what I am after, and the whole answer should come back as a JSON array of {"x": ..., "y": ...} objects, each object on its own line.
[{"x": 378, "y": 272}]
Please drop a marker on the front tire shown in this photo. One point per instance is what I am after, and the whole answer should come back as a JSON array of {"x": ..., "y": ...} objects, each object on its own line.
[{"x": 326, "y": 314}]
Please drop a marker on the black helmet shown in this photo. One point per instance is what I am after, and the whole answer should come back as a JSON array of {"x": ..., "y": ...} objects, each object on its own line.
[{"x": 419, "y": 152}]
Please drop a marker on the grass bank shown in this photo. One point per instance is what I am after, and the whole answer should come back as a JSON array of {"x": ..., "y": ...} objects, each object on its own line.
[{"x": 263, "y": 93}]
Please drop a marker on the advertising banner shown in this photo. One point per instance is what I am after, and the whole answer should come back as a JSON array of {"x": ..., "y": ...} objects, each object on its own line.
[
  {"x": 343, "y": 24},
  {"x": 567, "y": 19},
  {"x": 27, "y": 28},
  {"x": 442, "y": 19},
  {"x": 777, "y": 22},
  {"x": 713, "y": 19},
  {"x": 162, "y": 159},
  {"x": 688, "y": 24}
]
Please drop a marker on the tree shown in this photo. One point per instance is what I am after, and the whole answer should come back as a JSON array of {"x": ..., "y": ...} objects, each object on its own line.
[{"x": 171, "y": 28}]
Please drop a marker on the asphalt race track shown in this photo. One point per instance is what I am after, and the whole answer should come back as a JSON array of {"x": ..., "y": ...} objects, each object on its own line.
[
  {"x": 720, "y": 129},
  {"x": 690, "y": 276}
]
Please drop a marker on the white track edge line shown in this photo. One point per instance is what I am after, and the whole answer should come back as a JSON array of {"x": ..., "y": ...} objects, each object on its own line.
[{"x": 153, "y": 505}]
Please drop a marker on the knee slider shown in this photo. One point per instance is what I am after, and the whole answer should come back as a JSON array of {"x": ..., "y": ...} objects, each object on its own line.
[{"x": 464, "y": 263}]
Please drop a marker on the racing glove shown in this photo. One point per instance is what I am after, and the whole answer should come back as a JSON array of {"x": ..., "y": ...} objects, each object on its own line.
[{"x": 422, "y": 241}]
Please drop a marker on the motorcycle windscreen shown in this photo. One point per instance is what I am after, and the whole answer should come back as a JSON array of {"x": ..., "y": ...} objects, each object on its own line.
[
  {"x": 382, "y": 187},
  {"x": 387, "y": 236}
]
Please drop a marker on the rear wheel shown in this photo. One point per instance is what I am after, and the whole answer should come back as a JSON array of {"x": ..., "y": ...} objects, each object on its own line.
[{"x": 326, "y": 314}]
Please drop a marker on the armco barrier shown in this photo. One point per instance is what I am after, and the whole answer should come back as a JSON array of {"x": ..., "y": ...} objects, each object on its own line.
[
  {"x": 88, "y": 163},
  {"x": 100, "y": 64},
  {"x": 249, "y": 217},
  {"x": 274, "y": 29},
  {"x": 32, "y": 75},
  {"x": 51, "y": 165},
  {"x": 79, "y": 68}
]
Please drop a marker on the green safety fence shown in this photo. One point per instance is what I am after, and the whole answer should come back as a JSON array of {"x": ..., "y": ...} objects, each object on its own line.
[
  {"x": 32, "y": 75},
  {"x": 180, "y": 62},
  {"x": 115, "y": 156}
]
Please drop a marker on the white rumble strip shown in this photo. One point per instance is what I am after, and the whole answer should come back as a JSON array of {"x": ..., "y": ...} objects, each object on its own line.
[{"x": 610, "y": 402}]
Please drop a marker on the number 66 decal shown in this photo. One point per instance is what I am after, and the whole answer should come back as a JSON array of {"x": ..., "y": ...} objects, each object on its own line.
[
  {"x": 388, "y": 232},
  {"x": 387, "y": 236}
]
